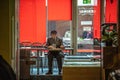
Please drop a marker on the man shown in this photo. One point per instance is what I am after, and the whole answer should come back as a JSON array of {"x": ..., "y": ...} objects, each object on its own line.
[{"x": 54, "y": 44}]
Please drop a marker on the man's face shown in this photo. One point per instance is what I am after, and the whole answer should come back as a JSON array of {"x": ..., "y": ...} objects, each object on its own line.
[{"x": 53, "y": 35}]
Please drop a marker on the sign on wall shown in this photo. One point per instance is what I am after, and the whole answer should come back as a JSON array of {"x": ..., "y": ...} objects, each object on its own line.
[{"x": 87, "y": 2}]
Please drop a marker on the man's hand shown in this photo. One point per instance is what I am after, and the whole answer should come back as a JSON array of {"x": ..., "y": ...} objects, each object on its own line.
[
  {"x": 51, "y": 47},
  {"x": 62, "y": 47}
]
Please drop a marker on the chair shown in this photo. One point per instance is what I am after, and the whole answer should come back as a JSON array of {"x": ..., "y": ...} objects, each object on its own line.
[
  {"x": 25, "y": 59},
  {"x": 36, "y": 45},
  {"x": 45, "y": 52},
  {"x": 38, "y": 53},
  {"x": 25, "y": 44},
  {"x": 44, "y": 45},
  {"x": 33, "y": 60}
]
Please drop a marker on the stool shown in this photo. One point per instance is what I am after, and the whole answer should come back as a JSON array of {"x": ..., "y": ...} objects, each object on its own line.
[{"x": 33, "y": 62}]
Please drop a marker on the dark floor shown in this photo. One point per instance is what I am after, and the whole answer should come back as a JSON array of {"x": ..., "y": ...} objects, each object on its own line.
[
  {"x": 43, "y": 76},
  {"x": 33, "y": 71},
  {"x": 46, "y": 77}
]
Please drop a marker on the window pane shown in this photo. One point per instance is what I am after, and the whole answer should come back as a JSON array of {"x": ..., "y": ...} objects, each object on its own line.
[{"x": 63, "y": 29}]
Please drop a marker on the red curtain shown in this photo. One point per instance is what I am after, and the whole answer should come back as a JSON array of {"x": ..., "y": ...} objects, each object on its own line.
[
  {"x": 110, "y": 15},
  {"x": 32, "y": 15},
  {"x": 96, "y": 20},
  {"x": 111, "y": 11},
  {"x": 59, "y": 9},
  {"x": 27, "y": 20},
  {"x": 41, "y": 20}
]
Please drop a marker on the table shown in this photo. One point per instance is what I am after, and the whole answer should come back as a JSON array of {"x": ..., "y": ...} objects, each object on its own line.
[{"x": 70, "y": 50}]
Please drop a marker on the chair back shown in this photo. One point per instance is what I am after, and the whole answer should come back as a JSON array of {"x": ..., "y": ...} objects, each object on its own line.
[
  {"x": 44, "y": 45},
  {"x": 25, "y": 44},
  {"x": 36, "y": 45}
]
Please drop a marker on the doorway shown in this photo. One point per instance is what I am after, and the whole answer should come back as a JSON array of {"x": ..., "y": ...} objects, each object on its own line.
[{"x": 35, "y": 21}]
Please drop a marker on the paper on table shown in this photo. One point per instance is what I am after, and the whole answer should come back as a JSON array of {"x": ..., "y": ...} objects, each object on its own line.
[{"x": 55, "y": 49}]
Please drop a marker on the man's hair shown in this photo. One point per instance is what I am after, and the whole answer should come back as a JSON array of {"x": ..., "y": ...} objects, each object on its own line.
[{"x": 54, "y": 32}]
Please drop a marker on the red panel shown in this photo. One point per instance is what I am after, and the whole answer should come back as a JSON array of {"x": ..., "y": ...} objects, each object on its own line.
[
  {"x": 59, "y": 9},
  {"x": 33, "y": 17},
  {"x": 96, "y": 21},
  {"x": 32, "y": 20},
  {"x": 41, "y": 20},
  {"x": 111, "y": 11},
  {"x": 27, "y": 20}
]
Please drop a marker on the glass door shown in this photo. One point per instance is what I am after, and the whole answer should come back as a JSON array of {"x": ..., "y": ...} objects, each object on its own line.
[{"x": 88, "y": 26}]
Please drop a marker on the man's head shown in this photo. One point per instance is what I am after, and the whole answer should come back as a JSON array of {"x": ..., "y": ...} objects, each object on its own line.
[{"x": 53, "y": 34}]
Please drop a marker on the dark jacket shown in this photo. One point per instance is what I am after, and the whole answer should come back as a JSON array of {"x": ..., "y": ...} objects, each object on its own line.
[
  {"x": 6, "y": 72},
  {"x": 51, "y": 41}
]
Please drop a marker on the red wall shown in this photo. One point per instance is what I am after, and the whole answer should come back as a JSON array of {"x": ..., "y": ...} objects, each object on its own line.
[{"x": 32, "y": 20}]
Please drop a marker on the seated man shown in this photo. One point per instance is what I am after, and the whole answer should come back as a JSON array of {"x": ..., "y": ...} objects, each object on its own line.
[{"x": 54, "y": 44}]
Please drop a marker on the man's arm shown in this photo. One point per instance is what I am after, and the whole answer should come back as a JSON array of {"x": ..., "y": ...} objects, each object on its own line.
[{"x": 62, "y": 46}]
